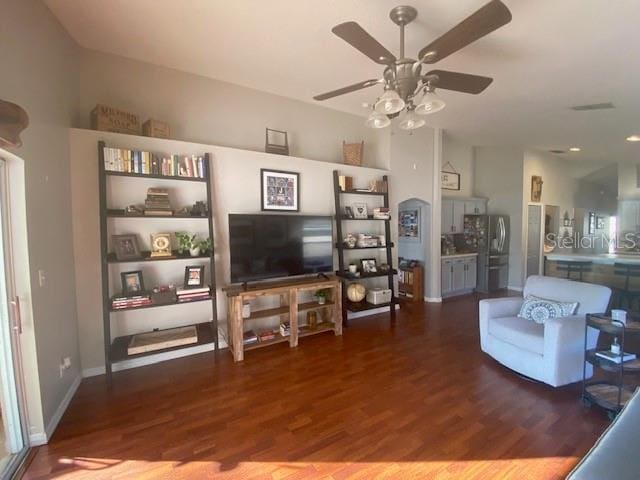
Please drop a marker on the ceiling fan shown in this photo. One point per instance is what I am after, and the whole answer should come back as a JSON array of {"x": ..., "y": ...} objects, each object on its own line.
[{"x": 403, "y": 79}]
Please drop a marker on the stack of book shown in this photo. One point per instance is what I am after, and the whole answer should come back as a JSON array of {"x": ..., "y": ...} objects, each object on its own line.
[
  {"x": 285, "y": 329},
  {"x": 266, "y": 335},
  {"x": 121, "y": 302},
  {"x": 249, "y": 337},
  {"x": 157, "y": 203},
  {"x": 193, "y": 294},
  {"x": 146, "y": 163}
]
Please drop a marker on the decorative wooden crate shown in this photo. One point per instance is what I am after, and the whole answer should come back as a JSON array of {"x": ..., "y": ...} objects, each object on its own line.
[
  {"x": 156, "y": 128},
  {"x": 352, "y": 153},
  {"x": 110, "y": 119}
]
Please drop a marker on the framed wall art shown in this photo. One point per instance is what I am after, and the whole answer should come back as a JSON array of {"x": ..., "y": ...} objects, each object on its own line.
[
  {"x": 280, "y": 191},
  {"x": 409, "y": 224}
]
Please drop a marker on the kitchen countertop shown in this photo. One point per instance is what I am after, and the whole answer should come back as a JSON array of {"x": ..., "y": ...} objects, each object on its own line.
[
  {"x": 601, "y": 258},
  {"x": 460, "y": 255}
]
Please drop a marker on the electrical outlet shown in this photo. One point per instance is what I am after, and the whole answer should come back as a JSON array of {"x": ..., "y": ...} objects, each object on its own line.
[{"x": 42, "y": 278}]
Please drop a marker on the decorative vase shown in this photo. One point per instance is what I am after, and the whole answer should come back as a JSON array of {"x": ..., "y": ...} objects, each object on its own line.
[
  {"x": 321, "y": 300},
  {"x": 194, "y": 252}
]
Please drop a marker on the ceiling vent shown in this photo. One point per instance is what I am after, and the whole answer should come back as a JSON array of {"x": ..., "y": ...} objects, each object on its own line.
[
  {"x": 593, "y": 106},
  {"x": 557, "y": 152}
]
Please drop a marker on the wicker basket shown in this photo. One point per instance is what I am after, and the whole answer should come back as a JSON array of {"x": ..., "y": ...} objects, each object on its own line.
[{"x": 352, "y": 153}]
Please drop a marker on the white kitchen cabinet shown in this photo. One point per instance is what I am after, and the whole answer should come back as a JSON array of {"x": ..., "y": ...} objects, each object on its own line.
[
  {"x": 470, "y": 273},
  {"x": 459, "y": 275},
  {"x": 447, "y": 217},
  {"x": 458, "y": 216}
]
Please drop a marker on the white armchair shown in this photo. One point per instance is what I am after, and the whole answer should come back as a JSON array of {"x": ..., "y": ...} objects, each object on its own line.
[{"x": 552, "y": 353}]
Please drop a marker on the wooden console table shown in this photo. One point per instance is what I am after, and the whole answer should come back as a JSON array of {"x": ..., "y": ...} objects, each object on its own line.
[{"x": 288, "y": 293}]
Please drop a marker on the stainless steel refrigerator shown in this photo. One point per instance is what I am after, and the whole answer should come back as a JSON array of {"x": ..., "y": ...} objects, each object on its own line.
[{"x": 489, "y": 236}]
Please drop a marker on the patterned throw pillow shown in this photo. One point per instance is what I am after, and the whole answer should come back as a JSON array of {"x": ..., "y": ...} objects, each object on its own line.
[{"x": 539, "y": 309}]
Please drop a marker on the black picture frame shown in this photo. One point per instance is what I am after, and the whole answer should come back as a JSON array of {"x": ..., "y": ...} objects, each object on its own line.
[
  {"x": 191, "y": 280},
  {"x": 129, "y": 287},
  {"x": 273, "y": 190},
  {"x": 126, "y": 247},
  {"x": 368, "y": 265},
  {"x": 450, "y": 181}
]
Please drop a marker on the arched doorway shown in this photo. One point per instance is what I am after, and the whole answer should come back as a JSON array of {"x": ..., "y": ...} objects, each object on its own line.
[{"x": 414, "y": 238}]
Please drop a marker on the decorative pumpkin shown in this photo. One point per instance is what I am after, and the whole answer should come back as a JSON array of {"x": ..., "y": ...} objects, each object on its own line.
[{"x": 356, "y": 292}]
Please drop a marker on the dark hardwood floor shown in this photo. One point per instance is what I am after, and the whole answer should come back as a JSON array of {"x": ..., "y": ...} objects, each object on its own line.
[{"x": 415, "y": 400}]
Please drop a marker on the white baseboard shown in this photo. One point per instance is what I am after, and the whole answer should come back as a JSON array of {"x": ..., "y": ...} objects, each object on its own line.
[
  {"x": 433, "y": 299},
  {"x": 37, "y": 439},
  {"x": 513, "y": 287},
  {"x": 160, "y": 357},
  {"x": 366, "y": 313},
  {"x": 41, "y": 438}
]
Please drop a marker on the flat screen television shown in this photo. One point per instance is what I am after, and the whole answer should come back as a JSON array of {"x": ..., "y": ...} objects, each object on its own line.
[{"x": 272, "y": 246}]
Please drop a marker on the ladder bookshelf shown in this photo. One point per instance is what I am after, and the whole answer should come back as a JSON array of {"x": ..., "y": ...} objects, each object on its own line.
[
  {"x": 341, "y": 220},
  {"x": 116, "y": 349}
]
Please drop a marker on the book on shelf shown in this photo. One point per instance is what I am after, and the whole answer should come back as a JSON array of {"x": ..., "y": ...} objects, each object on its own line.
[
  {"x": 266, "y": 335},
  {"x": 120, "y": 302},
  {"x": 249, "y": 337},
  {"x": 616, "y": 357},
  {"x": 285, "y": 329},
  {"x": 161, "y": 339},
  {"x": 345, "y": 182},
  {"x": 146, "y": 163},
  {"x": 158, "y": 213}
]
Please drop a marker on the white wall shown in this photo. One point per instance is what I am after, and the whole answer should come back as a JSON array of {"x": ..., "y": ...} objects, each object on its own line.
[
  {"x": 39, "y": 72},
  {"x": 498, "y": 173},
  {"x": 236, "y": 185},
  {"x": 461, "y": 157},
  {"x": 208, "y": 111},
  {"x": 628, "y": 180}
]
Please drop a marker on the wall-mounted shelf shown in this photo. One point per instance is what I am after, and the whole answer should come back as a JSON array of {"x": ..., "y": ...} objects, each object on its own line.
[{"x": 156, "y": 177}]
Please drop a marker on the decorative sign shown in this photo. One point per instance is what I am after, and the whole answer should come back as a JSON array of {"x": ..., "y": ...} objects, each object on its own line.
[{"x": 450, "y": 181}]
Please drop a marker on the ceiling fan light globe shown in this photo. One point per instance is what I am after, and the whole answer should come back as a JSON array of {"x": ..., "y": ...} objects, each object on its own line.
[
  {"x": 377, "y": 120},
  {"x": 389, "y": 103},
  {"x": 429, "y": 104},
  {"x": 411, "y": 122}
]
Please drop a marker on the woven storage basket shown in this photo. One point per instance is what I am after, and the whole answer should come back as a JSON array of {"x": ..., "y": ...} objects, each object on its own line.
[{"x": 352, "y": 153}]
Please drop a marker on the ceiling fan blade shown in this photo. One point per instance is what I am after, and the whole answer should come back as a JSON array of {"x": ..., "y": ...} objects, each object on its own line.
[
  {"x": 349, "y": 89},
  {"x": 492, "y": 16},
  {"x": 460, "y": 82},
  {"x": 359, "y": 39}
]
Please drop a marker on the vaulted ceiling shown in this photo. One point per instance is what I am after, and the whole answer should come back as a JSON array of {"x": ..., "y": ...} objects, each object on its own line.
[{"x": 554, "y": 54}]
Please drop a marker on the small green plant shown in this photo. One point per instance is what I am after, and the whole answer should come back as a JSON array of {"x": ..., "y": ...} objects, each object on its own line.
[
  {"x": 322, "y": 295},
  {"x": 205, "y": 246},
  {"x": 186, "y": 241}
]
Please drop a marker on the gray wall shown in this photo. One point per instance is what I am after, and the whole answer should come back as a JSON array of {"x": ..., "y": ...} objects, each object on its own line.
[
  {"x": 498, "y": 173},
  {"x": 39, "y": 72},
  {"x": 208, "y": 111}
]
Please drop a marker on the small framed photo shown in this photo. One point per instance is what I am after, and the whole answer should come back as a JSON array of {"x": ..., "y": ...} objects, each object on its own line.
[
  {"x": 348, "y": 212},
  {"x": 368, "y": 265},
  {"x": 194, "y": 276},
  {"x": 132, "y": 282},
  {"x": 360, "y": 210},
  {"x": 280, "y": 191},
  {"x": 126, "y": 247}
]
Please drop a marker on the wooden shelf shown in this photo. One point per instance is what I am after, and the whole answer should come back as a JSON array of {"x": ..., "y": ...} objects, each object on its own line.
[
  {"x": 320, "y": 328},
  {"x": 357, "y": 192},
  {"x": 279, "y": 339},
  {"x": 119, "y": 214},
  {"x": 348, "y": 276},
  {"x": 379, "y": 247},
  {"x": 631, "y": 366},
  {"x": 157, "y": 177},
  {"x": 119, "y": 346},
  {"x": 157, "y": 305},
  {"x": 364, "y": 305},
  {"x": 284, "y": 310},
  {"x": 605, "y": 394},
  {"x": 146, "y": 257},
  {"x": 369, "y": 218}
]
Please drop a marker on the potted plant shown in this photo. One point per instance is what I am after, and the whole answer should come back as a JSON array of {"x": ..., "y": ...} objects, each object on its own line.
[
  {"x": 188, "y": 243},
  {"x": 205, "y": 246},
  {"x": 322, "y": 296}
]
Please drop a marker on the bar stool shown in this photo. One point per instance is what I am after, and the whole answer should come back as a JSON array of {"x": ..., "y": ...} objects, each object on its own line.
[
  {"x": 573, "y": 267},
  {"x": 626, "y": 297}
]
